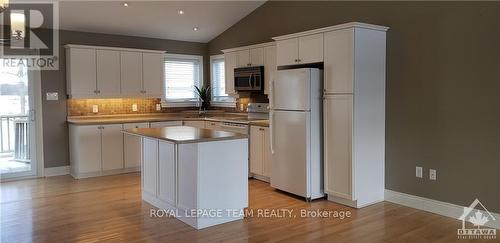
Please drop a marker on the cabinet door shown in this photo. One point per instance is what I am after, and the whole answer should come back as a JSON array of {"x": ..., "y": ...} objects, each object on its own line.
[
  {"x": 153, "y": 70},
  {"x": 85, "y": 148},
  {"x": 108, "y": 72},
  {"x": 243, "y": 58},
  {"x": 149, "y": 172},
  {"x": 112, "y": 147},
  {"x": 132, "y": 148},
  {"x": 269, "y": 67},
  {"x": 198, "y": 124},
  {"x": 81, "y": 72},
  {"x": 166, "y": 172},
  {"x": 339, "y": 61},
  {"x": 266, "y": 152},
  {"x": 166, "y": 124},
  {"x": 131, "y": 73},
  {"x": 311, "y": 48},
  {"x": 287, "y": 52},
  {"x": 256, "y": 153},
  {"x": 257, "y": 57},
  {"x": 229, "y": 65},
  {"x": 337, "y": 141}
]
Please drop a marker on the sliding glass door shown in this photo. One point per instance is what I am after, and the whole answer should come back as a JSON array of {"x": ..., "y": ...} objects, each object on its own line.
[{"x": 17, "y": 116}]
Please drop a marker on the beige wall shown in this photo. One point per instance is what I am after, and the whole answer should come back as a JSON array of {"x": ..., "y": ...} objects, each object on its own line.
[
  {"x": 55, "y": 129},
  {"x": 443, "y": 83}
]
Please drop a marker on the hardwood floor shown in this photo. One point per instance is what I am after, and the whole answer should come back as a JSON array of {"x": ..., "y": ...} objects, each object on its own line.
[{"x": 61, "y": 209}]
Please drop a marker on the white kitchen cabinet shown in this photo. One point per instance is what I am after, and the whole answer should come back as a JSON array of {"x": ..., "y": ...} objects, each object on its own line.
[
  {"x": 81, "y": 72},
  {"x": 257, "y": 56},
  {"x": 132, "y": 150},
  {"x": 300, "y": 50},
  {"x": 112, "y": 147},
  {"x": 198, "y": 124},
  {"x": 354, "y": 114},
  {"x": 338, "y": 145},
  {"x": 108, "y": 73},
  {"x": 167, "y": 172},
  {"x": 131, "y": 73},
  {"x": 166, "y": 124},
  {"x": 149, "y": 170},
  {"x": 229, "y": 66},
  {"x": 85, "y": 149},
  {"x": 269, "y": 67},
  {"x": 287, "y": 51},
  {"x": 260, "y": 153},
  {"x": 153, "y": 71},
  {"x": 243, "y": 58}
]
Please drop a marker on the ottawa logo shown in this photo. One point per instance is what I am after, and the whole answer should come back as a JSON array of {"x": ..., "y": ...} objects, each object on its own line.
[{"x": 473, "y": 221}]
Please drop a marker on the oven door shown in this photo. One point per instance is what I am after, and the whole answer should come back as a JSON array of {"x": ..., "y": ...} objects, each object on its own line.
[{"x": 243, "y": 81}]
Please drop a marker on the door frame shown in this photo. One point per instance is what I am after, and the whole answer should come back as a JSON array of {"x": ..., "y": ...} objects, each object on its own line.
[{"x": 34, "y": 90}]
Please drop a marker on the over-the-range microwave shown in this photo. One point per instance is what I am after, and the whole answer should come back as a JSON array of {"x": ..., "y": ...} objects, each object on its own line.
[{"x": 249, "y": 78}]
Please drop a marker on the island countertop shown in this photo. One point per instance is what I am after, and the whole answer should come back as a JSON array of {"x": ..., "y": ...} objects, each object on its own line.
[{"x": 184, "y": 134}]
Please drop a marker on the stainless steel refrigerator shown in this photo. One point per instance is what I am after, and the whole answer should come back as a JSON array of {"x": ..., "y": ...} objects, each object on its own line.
[{"x": 296, "y": 132}]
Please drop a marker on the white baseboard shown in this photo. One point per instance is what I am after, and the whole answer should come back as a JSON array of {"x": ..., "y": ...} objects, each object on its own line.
[
  {"x": 56, "y": 171},
  {"x": 434, "y": 206}
]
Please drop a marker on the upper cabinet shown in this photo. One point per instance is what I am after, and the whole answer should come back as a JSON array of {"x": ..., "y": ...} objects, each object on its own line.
[
  {"x": 108, "y": 72},
  {"x": 247, "y": 56},
  {"x": 339, "y": 60},
  {"x": 299, "y": 50}
]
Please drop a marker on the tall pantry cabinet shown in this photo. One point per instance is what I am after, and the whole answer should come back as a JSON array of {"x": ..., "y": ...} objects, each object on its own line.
[{"x": 354, "y": 114}]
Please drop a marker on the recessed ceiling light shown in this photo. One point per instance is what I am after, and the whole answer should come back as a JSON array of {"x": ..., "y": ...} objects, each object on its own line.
[
  {"x": 181, "y": 12},
  {"x": 125, "y": 4},
  {"x": 195, "y": 28}
]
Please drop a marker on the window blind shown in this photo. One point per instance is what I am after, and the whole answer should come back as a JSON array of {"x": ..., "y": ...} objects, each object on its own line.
[{"x": 181, "y": 75}]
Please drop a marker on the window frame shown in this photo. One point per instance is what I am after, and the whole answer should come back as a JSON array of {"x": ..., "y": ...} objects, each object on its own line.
[
  {"x": 182, "y": 102},
  {"x": 231, "y": 101}
]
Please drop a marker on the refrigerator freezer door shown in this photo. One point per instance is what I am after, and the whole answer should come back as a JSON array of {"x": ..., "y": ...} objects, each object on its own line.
[
  {"x": 292, "y": 89},
  {"x": 290, "y": 157}
]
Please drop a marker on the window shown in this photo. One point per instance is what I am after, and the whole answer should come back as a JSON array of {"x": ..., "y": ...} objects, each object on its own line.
[
  {"x": 182, "y": 73},
  {"x": 218, "y": 83}
]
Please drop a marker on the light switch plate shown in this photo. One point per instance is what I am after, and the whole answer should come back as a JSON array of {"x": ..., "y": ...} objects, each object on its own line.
[
  {"x": 95, "y": 108},
  {"x": 158, "y": 107},
  {"x": 432, "y": 174},
  {"x": 52, "y": 96},
  {"x": 419, "y": 172},
  {"x": 134, "y": 107}
]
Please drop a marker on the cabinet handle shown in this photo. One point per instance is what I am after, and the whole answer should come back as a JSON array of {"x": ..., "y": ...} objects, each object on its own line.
[
  {"x": 261, "y": 129},
  {"x": 298, "y": 60}
]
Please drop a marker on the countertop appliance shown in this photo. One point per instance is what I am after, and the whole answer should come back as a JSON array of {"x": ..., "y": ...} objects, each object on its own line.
[
  {"x": 249, "y": 78},
  {"x": 296, "y": 128}
]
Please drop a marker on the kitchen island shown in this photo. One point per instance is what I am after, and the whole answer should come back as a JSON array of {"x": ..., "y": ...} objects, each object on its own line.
[{"x": 197, "y": 175}]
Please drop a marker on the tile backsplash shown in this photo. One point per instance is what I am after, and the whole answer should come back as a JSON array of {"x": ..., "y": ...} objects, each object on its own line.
[{"x": 83, "y": 107}]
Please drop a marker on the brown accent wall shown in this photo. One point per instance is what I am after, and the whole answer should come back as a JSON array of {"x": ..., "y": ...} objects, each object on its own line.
[
  {"x": 55, "y": 128},
  {"x": 443, "y": 80}
]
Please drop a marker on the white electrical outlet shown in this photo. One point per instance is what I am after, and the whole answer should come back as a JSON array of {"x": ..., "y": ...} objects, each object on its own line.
[
  {"x": 134, "y": 107},
  {"x": 158, "y": 107},
  {"x": 95, "y": 108},
  {"x": 419, "y": 172},
  {"x": 432, "y": 174}
]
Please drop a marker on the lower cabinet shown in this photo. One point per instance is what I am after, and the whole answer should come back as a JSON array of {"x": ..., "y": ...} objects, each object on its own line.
[
  {"x": 132, "y": 148},
  {"x": 95, "y": 150},
  {"x": 198, "y": 124},
  {"x": 260, "y": 153}
]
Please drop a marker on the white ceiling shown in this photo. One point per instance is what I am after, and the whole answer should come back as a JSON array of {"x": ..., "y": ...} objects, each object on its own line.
[{"x": 156, "y": 19}]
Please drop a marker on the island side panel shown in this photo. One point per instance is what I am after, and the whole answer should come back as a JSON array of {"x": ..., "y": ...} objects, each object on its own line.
[
  {"x": 223, "y": 179},
  {"x": 167, "y": 172},
  {"x": 149, "y": 173}
]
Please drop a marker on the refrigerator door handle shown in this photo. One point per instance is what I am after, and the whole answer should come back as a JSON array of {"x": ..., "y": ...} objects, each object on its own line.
[{"x": 271, "y": 138}]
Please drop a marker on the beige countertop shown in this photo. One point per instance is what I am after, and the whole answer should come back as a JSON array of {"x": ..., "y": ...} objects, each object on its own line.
[
  {"x": 262, "y": 123},
  {"x": 184, "y": 134},
  {"x": 155, "y": 117}
]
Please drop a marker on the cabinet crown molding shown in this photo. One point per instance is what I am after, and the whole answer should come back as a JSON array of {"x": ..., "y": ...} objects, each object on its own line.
[
  {"x": 67, "y": 46},
  {"x": 272, "y": 43},
  {"x": 332, "y": 28}
]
